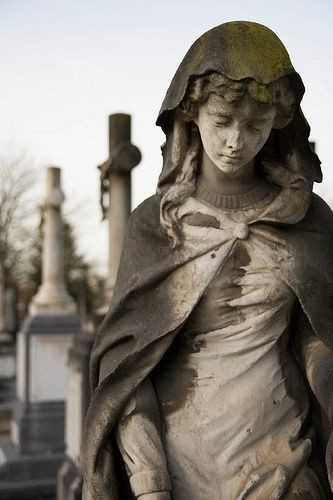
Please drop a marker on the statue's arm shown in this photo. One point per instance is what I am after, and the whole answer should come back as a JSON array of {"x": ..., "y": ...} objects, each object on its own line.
[
  {"x": 317, "y": 361},
  {"x": 138, "y": 435}
]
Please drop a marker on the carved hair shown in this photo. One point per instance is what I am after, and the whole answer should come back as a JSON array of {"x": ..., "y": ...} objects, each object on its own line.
[
  {"x": 278, "y": 93},
  {"x": 186, "y": 135}
]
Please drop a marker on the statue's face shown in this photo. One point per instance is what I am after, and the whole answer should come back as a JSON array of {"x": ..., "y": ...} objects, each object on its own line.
[{"x": 233, "y": 133}]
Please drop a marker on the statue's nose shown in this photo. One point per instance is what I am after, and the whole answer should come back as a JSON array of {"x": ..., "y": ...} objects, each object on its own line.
[{"x": 235, "y": 140}]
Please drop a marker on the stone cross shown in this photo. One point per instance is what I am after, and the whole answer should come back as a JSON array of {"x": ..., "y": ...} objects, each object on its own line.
[
  {"x": 52, "y": 296},
  {"x": 116, "y": 185}
]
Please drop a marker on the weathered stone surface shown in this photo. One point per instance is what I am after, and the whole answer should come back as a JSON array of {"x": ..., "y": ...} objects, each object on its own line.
[
  {"x": 116, "y": 185},
  {"x": 223, "y": 300},
  {"x": 52, "y": 296}
]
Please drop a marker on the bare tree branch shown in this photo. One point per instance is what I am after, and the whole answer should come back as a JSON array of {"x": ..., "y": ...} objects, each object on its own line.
[{"x": 17, "y": 177}]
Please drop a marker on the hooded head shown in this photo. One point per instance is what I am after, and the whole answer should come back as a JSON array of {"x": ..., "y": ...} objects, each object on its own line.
[
  {"x": 237, "y": 50},
  {"x": 250, "y": 57}
]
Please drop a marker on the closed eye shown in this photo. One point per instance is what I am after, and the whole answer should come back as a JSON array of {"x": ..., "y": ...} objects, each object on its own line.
[
  {"x": 222, "y": 123},
  {"x": 221, "y": 119},
  {"x": 257, "y": 125}
]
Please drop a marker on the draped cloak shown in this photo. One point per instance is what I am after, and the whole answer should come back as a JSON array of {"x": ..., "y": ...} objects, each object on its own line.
[
  {"x": 156, "y": 290},
  {"x": 157, "y": 286}
]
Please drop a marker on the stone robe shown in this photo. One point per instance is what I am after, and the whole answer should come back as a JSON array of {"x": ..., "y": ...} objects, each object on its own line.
[{"x": 158, "y": 288}]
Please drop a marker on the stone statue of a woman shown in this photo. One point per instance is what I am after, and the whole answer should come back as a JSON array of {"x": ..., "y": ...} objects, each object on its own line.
[{"x": 212, "y": 372}]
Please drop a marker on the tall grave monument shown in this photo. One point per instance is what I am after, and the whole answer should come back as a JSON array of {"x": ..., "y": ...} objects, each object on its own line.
[
  {"x": 29, "y": 465},
  {"x": 116, "y": 187}
]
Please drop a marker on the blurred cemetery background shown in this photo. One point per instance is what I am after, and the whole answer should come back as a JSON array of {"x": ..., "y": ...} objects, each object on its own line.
[{"x": 73, "y": 164}]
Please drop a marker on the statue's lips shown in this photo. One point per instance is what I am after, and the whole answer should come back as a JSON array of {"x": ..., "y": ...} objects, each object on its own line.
[{"x": 227, "y": 157}]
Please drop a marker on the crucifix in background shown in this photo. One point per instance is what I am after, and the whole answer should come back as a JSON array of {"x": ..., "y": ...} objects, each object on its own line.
[{"x": 116, "y": 189}]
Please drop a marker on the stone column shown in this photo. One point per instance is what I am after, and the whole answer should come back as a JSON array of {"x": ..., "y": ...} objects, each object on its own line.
[
  {"x": 52, "y": 296},
  {"x": 30, "y": 463},
  {"x": 116, "y": 182},
  {"x": 116, "y": 186}
]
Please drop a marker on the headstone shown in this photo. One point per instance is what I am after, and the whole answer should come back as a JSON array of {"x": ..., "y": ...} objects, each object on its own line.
[
  {"x": 7, "y": 363},
  {"x": 78, "y": 395},
  {"x": 116, "y": 184},
  {"x": 29, "y": 464}
]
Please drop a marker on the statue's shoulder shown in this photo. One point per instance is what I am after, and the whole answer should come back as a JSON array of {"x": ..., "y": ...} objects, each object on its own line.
[
  {"x": 145, "y": 241},
  {"x": 320, "y": 212},
  {"x": 320, "y": 204},
  {"x": 145, "y": 219},
  {"x": 150, "y": 206}
]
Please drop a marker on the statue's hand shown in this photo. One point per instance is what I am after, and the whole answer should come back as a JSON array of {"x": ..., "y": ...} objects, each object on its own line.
[{"x": 157, "y": 495}]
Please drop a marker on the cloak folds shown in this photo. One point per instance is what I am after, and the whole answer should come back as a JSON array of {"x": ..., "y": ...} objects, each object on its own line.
[{"x": 157, "y": 288}]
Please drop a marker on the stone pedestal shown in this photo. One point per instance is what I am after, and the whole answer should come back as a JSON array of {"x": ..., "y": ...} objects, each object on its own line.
[
  {"x": 30, "y": 462},
  {"x": 7, "y": 360},
  {"x": 78, "y": 395},
  {"x": 7, "y": 384}
]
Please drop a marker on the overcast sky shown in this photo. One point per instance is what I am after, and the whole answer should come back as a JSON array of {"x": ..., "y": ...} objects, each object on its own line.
[{"x": 67, "y": 64}]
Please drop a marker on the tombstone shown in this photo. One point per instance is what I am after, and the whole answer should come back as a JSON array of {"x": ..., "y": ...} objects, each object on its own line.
[
  {"x": 116, "y": 185},
  {"x": 7, "y": 362},
  {"x": 29, "y": 464},
  {"x": 69, "y": 485}
]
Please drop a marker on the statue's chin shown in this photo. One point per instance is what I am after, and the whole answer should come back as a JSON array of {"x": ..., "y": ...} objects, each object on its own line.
[{"x": 230, "y": 166}]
